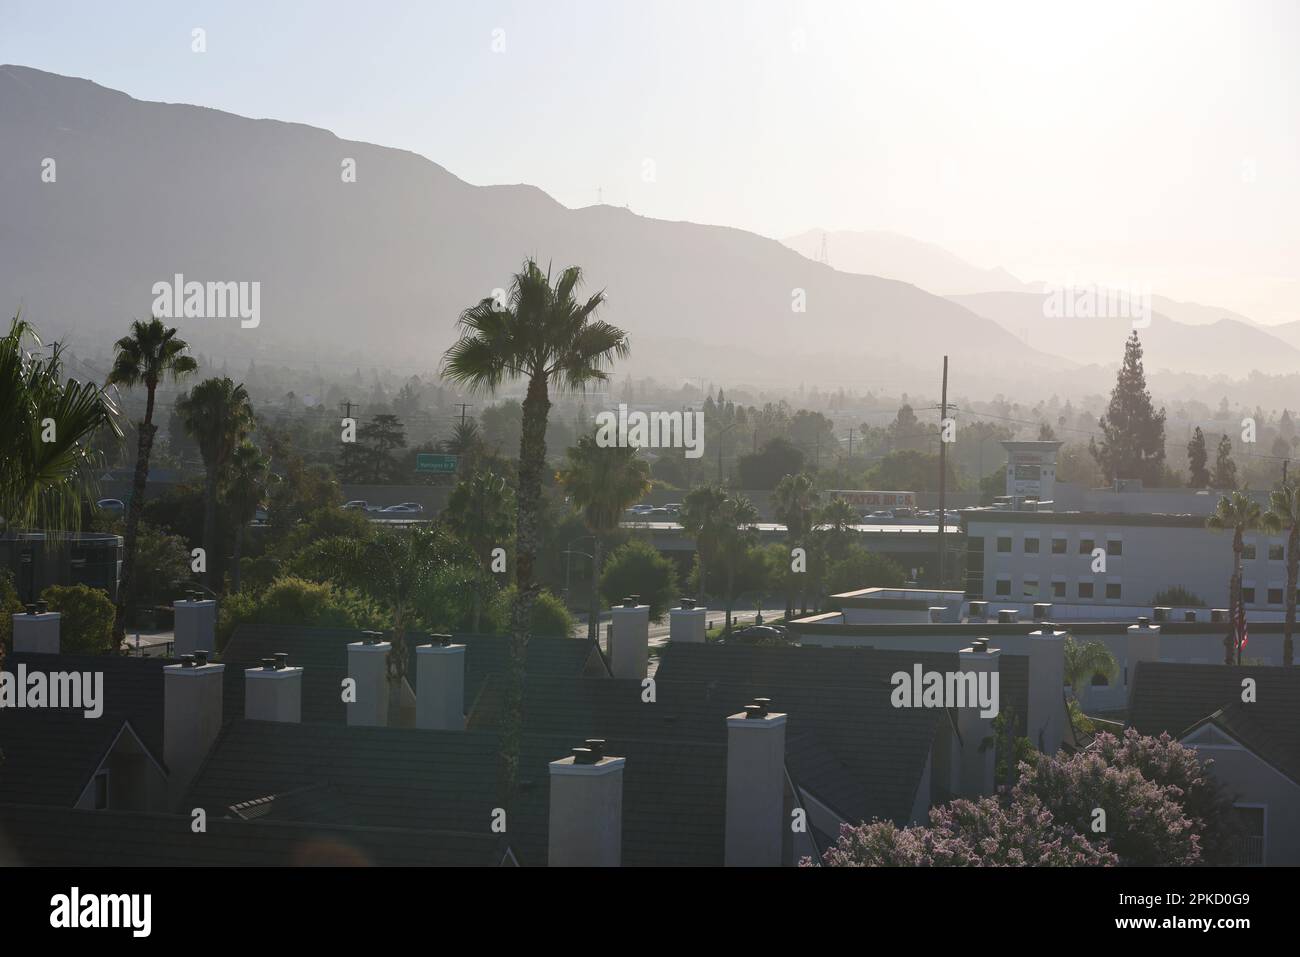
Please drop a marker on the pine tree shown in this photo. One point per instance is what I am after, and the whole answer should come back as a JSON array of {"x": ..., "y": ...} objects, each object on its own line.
[
  {"x": 1197, "y": 456},
  {"x": 1133, "y": 433},
  {"x": 1225, "y": 470}
]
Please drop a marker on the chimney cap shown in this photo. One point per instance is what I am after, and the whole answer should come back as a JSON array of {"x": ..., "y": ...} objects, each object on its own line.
[
  {"x": 688, "y": 603},
  {"x": 980, "y": 644},
  {"x": 187, "y": 661},
  {"x": 200, "y": 657},
  {"x": 31, "y": 609},
  {"x": 596, "y": 746},
  {"x": 584, "y": 756},
  {"x": 372, "y": 637},
  {"x": 281, "y": 659},
  {"x": 1143, "y": 621},
  {"x": 631, "y": 601},
  {"x": 759, "y": 708},
  {"x": 443, "y": 640}
]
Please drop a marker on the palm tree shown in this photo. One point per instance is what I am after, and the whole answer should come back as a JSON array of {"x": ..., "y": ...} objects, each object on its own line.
[
  {"x": 1236, "y": 511},
  {"x": 217, "y": 413},
  {"x": 1083, "y": 661},
  {"x": 546, "y": 337},
  {"x": 481, "y": 512},
  {"x": 245, "y": 484},
  {"x": 148, "y": 355},
  {"x": 603, "y": 482},
  {"x": 46, "y": 427},
  {"x": 1284, "y": 514},
  {"x": 795, "y": 502},
  {"x": 736, "y": 521},
  {"x": 699, "y": 517}
]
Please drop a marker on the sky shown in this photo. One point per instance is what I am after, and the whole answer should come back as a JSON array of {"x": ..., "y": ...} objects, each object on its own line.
[{"x": 1116, "y": 142}]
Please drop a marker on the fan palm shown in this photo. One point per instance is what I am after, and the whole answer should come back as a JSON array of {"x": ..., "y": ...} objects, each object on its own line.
[
  {"x": 700, "y": 517},
  {"x": 245, "y": 485},
  {"x": 736, "y": 521},
  {"x": 1083, "y": 661},
  {"x": 150, "y": 354},
  {"x": 794, "y": 503},
  {"x": 546, "y": 337},
  {"x": 1284, "y": 515},
  {"x": 217, "y": 413},
  {"x": 46, "y": 424},
  {"x": 603, "y": 482},
  {"x": 1238, "y": 512}
]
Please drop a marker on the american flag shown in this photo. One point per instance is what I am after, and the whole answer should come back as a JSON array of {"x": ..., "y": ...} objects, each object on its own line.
[{"x": 1239, "y": 623}]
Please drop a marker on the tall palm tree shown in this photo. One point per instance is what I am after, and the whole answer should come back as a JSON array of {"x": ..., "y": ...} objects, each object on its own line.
[
  {"x": 244, "y": 488},
  {"x": 736, "y": 521},
  {"x": 546, "y": 337},
  {"x": 795, "y": 502},
  {"x": 46, "y": 426},
  {"x": 1284, "y": 515},
  {"x": 481, "y": 512},
  {"x": 217, "y": 413},
  {"x": 603, "y": 482},
  {"x": 150, "y": 354},
  {"x": 1083, "y": 660},
  {"x": 700, "y": 517},
  {"x": 1238, "y": 512}
]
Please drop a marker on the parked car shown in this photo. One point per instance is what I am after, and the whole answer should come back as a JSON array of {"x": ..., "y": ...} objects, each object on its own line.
[
  {"x": 880, "y": 515},
  {"x": 359, "y": 505},
  {"x": 405, "y": 508},
  {"x": 113, "y": 505},
  {"x": 759, "y": 635},
  {"x": 260, "y": 516}
]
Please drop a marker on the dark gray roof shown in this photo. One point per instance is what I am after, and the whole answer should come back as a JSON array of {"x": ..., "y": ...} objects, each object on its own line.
[
  {"x": 48, "y": 757},
  {"x": 673, "y": 804},
  {"x": 63, "y": 837}
]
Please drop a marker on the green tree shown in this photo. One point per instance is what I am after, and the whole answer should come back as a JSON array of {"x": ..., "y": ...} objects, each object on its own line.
[
  {"x": 859, "y": 568},
  {"x": 910, "y": 471},
  {"x": 150, "y": 354},
  {"x": 637, "y": 568},
  {"x": 737, "y": 535},
  {"x": 244, "y": 488},
  {"x": 1084, "y": 660},
  {"x": 1238, "y": 512},
  {"x": 1197, "y": 456},
  {"x": 217, "y": 413},
  {"x": 1133, "y": 433},
  {"x": 602, "y": 482},
  {"x": 701, "y": 517},
  {"x": 1224, "y": 476},
  {"x": 87, "y": 624},
  {"x": 544, "y": 336},
  {"x": 481, "y": 510},
  {"x": 1284, "y": 515},
  {"x": 371, "y": 459},
  {"x": 765, "y": 468},
  {"x": 296, "y": 601},
  {"x": 46, "y": 427},
  {"x": 794, "y": 504}
]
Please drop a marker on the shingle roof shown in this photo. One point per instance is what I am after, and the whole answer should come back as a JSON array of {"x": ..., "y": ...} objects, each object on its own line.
[
  {"x": 63, "y": 837},
  {"x": 673, "y": 804},
  {"x": 48, "y": 757},
  {"x": 323, "y": 653},
  {"x": 1174, "y": 697}
]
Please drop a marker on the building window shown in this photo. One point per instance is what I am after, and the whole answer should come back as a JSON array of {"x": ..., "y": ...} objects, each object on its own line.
[
  {"x": 1002, "y": 588},
  {"x": 1086, "y": 545},
  {"x": 1114, "y": 547},
  {"x": 1085, "y": 589},
  {"x": 1275, "y": 553},
  {"x": 101, "y": 791},
  {"x": 1058, "y": 589},
  {"x": 1004, "y": 543},
  {"x": 1031, "y": 546},
  {"x": 1275, "y": 596},
  {"x": 1058, "y": 546},
  {"x": 1248, "y": 552},
  {"x": 1030, "y": 588},
  {"x": 1114, "y": 591},
  {"x": 1248, "y": 594}
]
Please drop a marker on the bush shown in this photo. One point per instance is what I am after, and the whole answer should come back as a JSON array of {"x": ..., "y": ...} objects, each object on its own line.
[
  {"x": 162, "y": 567},
  {"x": 550, "y": 618},
  {"x": 87, "y": 625},
  {"x": 1176, "y": 597},
  {"x": 10, "y": 605},
  {"x": 294, "y": 601},
  {"x": 637, "y": 568},
  {"x": 860, "y": 568}
]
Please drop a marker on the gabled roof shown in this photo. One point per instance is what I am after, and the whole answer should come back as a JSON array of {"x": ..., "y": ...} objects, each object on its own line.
[
  {"x": 673, "y": 797},
  {"x": 1177, "y": 697},
  {"x": 63, "y": 837},
  {"x": 48, "y": 757},
  {"x": 323, "y": 653}
]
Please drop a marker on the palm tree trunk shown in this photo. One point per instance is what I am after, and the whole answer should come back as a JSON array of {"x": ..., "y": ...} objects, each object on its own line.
[
  {"x": 532, "y": 460},
  {"x": 1292, "y": 574},
  {"x": 593, "y": 616},
  {"x": 239, "y": 548},
  {"x": 731, "y": 580},
  {"x": 135, "y": 508},
  {"x": 210, "y": 527}
]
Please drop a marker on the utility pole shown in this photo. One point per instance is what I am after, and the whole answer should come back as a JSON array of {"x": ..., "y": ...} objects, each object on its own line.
[
  {"x": 462, "y": 406},
  {"x": 347, "y": 407},
  {"x": 850, "y": 441},
  {"x": 943, "y": 466}
]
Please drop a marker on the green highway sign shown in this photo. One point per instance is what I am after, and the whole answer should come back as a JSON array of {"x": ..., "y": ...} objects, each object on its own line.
[{"x": 435, "y": 462}]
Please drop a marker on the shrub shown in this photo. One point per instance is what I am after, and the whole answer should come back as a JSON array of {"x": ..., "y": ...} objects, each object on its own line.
[
  {"x": 10, "y": 605},
  {"x": 637, "y": 568},
  {"x": 860, "y": 568},
  {"x": 87, "y": 625},
  {"x": 295, "y": 601},
  {"x": 550, "y": 618},
  {"x": 1177, "y": 597}
]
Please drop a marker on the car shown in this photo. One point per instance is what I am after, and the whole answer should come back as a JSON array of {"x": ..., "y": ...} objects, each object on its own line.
[
  {"x": 659, "y": 513},
  {"x": 880, "y": 515},
  {"x": 114, "y": 505},
  {"x": 413, "y": 506},
  {"x": 641, "y": 509},
  {"x": 357, "y": 504},
  {"x": 758, "y": 635},
  {"x": 259, "y": 515},
  {"x": 674, "y": 507}
]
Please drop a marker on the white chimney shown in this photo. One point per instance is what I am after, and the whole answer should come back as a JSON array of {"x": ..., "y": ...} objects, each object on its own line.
[
  {"x": 630, "y": 640},
  {"x": 37, "y": 631},
  {"x": 192, "y": 694},
  {"x": 195, "y": 626},
  {"x": 273, "y": 692},
  {"x": 979, "y": 611},
  {"x": 755, "y": 787},
  {"x": 440, "y": 685},
  {"x": 1007, "y": 616},
  {"x": 687, "y": 623},
  {"x": 368, "y": 667},
  {"x": 586, "y": 817},
  {"x": 1045, "y": 723},
  {"x": 1143, "y": 645},
  {"x": 978, "y": 763},
  {"x": 937, "y": 613}
]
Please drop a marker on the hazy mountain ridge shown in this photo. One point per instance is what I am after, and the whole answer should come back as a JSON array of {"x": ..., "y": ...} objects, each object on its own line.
[{"x": 384, "y": 265}]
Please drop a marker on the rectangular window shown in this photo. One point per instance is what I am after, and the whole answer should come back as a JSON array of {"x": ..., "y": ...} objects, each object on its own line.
[
  {"x": 1114, "y": 547},
  {"x": 1086, "y": 545},
  {"x": 1030, "y": 588},
  {"x": 1248, "y": 552},
  {"x": 101, "y": 791},
  {"x": 1058, "y": 589},
  {"x": 1275, "y": 553},
  {"x": 1058, "y": 546},
  {"x": 1248, "y": 594},
  {"x": 1114, "y": 591},
  {"x": 1002, "y": 588},
  {"x": 1085, "y": 589},
  {"x": 1031, "y": 546},
  {"x": 1275, "y": 596},
  {"x": 1004, "y": 543}
]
